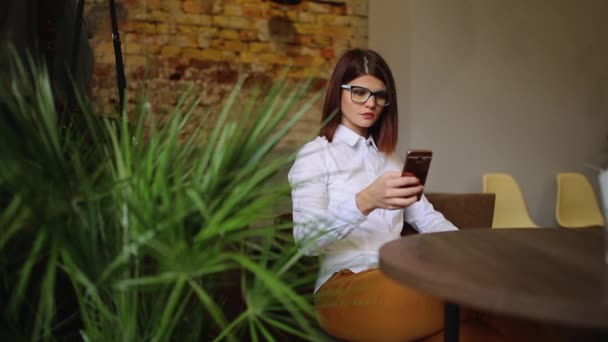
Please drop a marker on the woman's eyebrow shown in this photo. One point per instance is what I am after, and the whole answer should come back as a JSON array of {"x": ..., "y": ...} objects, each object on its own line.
[{"x": 360, "y": 86}]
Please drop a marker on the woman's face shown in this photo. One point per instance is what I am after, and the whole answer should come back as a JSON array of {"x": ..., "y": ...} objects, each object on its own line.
[{"x": 359, "y": 117}]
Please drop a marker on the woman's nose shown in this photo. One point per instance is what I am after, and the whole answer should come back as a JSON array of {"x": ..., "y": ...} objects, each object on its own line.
[{"x": 371, "y": 101}]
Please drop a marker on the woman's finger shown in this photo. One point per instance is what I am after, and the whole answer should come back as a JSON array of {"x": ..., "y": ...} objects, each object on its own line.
[
  {"x": 398, "y": 203},
  {"x": 401, "y": 182},
  {"x": 404, "y": 192}
]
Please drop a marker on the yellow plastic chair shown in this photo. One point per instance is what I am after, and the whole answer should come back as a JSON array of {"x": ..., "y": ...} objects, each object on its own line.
[
  {"x": 576, "y": 205},
  {"x": 510, "y": 210}
]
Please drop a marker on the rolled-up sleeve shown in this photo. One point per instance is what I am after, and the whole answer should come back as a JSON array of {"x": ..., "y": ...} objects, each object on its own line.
[{"x": 425, "y": 219}]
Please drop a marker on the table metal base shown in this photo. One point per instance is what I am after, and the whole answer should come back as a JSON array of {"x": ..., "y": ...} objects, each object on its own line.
[{"x": 451, "y": 322}]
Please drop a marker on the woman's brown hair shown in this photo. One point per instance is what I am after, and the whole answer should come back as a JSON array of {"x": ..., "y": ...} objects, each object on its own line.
[{"x": 355, "y": 63}]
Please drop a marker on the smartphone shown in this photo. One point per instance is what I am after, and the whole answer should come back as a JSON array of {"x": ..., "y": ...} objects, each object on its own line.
[{"x": 417, "y": 163}]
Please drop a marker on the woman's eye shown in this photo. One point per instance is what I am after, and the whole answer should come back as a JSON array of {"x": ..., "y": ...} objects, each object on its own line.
[{"x": 359, "y": 92}]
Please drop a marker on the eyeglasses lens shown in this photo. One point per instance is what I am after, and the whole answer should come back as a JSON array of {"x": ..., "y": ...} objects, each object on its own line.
[{"x": 361, "y": 95}]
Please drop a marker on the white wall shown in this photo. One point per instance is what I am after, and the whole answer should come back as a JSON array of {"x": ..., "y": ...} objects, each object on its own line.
[{"x": 499, "y": 86}]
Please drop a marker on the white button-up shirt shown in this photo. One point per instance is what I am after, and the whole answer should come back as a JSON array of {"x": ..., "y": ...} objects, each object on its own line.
[{"x": 325, "y": 179}]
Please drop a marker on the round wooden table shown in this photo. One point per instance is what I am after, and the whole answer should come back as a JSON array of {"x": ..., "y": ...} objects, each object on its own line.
[{"x": 552, "y": 275}]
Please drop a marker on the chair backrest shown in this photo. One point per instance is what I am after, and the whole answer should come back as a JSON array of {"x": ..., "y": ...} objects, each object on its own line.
[
  {"x": 576, "y": 204},
  {"x": 464, "y": 210},
  {"x": 510, "y": 210}
]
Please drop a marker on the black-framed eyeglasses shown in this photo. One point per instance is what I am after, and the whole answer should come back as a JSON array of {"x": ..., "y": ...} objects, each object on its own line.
[{"x": 360, "y": 94}]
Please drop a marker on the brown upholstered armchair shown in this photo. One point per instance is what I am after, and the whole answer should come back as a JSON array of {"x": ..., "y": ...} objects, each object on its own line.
[{"x": 464, "y": 210}]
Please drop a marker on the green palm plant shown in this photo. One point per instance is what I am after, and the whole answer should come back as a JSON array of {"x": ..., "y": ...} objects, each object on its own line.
[{"x": 117, "y": 229}]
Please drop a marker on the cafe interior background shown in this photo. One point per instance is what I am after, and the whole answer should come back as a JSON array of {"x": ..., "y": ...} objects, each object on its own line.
[{"x": 489, "y": 85}]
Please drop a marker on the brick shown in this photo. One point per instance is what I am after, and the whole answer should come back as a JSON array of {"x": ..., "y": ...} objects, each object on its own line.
[
  {"x": 127, "y": 26},
  {"x": 307, "y": 18},
  {"x": 186, "y": 40},
  {"x": 143, "y": 27},
  {"x": 143, "y": 73},
  {"x": 161, "y": 39},
  {"x": 335, "y": 20},
  {"x": 225, "y": 76},
  {"x": 338, "y": 10},
  {"x": 204, "y": 44},
  {"x": 321, "y": 41},
  {"x": 247, "y": 57},
  {"x": 208, "y": 32},
  {"x": 158, "y": 16},
  {"x": 199, "y": 64},
  {"x": 231, "y": 22},
  {"x": 292, "y": 15},
  {"x": 207, "y": 54},
  {"x": 317, "y": 7},
  {"x": 255, "y": 12},
  {"x": 206, "y": 35},
  {"x": 290, "y": 50},
  {"x": 307, "y": 28},
  {"x": 171, "y": 6},
  {"x": 274, "y": 59},
  {"x": 135, "y": 8},
  {"x": 193, "y": 19},
  {"x": 328, "y": 53},
  {"x": 248, "y": 35},
  {"x": 170, "y": 50},
  {"x": 309, "y": 51},
  {"x": 153, "y": 4},
  {"x": 135, "y": 61},
  {"x": 135, "y": 16},
  {"x": 257, "y": 47},
  {"x": 193, "y": 6},
  {"x": 305, "y": 40},
  {"x": 275, "y": 12},
  {"x": 337, "y": 32},
  {"x": 261, "y": 26},
  {"x": 233, "y": 10},
  {"x": 303, "y": 60},
  {"x": 132, "y": 3},
  {"x": 132, "y": 49},
  {"x": 162, "y": 28},
  {"x": 229, "y": 34},
  {"x": 230, "y": 45},
  {"x": 187, "y": 29},
  {"x": 106, "y": 47},
  {"x": 304, "y": 72},
  {"x": 217, "y": 8}
]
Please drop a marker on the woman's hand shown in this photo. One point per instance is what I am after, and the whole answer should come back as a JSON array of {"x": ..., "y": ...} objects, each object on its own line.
[{"x": 389, "y": 191}]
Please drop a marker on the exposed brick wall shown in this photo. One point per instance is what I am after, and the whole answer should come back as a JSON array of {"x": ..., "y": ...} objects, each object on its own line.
[{"x": 170, "y": 45}]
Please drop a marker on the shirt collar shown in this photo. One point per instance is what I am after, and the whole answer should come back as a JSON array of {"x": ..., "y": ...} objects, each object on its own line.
[{"x": 351, "y": 138}]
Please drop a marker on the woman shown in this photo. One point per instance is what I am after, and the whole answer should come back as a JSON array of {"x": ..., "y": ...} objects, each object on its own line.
[{"x": 349, "y": 198}]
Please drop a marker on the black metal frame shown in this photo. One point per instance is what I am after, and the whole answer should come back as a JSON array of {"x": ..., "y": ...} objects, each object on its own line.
[{"x": 120, "y": 68}]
